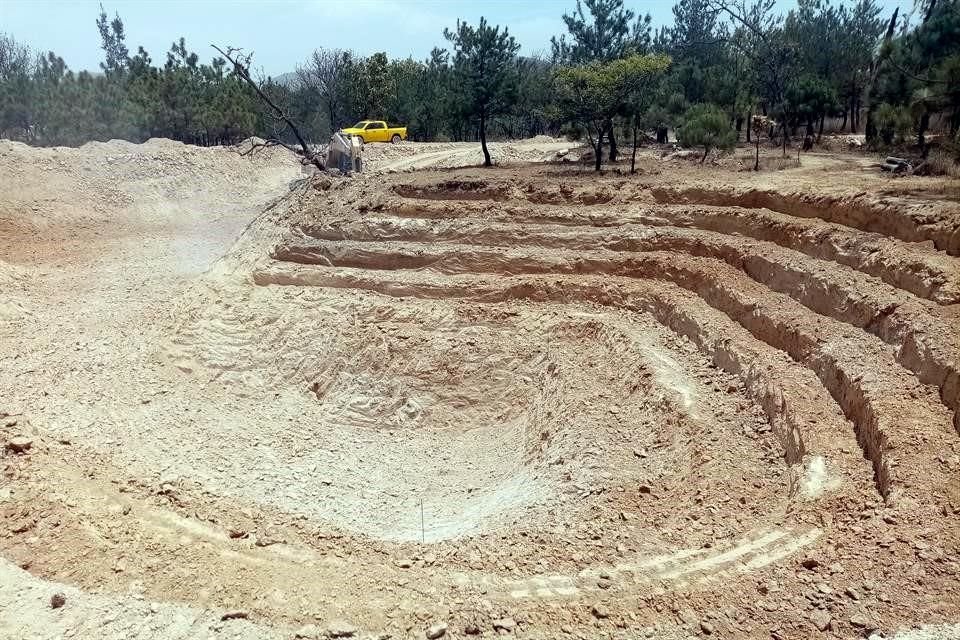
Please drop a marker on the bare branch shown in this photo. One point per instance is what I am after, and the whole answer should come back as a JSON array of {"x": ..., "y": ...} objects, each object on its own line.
[
  {"x": 266, "y": 144},
  {"x": 241, "y": 66}
]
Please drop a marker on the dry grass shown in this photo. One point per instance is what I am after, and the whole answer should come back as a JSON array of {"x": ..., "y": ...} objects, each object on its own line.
[
  {"x": 777, "y": 162},
  {"x": 940, "y": 163},
  {"x": 942, "y": 190}
]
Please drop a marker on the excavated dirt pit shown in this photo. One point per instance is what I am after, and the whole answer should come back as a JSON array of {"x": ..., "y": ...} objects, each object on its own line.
[
  {"x": 502, "y": 418},
  {"x": 523, "y": 401}
]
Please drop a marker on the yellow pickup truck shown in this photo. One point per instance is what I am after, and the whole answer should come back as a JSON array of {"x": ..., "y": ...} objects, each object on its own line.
[{"x": 376, "y": 131}]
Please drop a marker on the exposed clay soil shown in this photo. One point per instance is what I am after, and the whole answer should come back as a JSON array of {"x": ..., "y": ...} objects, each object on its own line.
[{"x": 524, "y": 401}]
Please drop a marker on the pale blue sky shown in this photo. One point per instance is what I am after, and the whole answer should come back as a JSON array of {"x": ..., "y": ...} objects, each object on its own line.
[{"x": 283, "y": 33}]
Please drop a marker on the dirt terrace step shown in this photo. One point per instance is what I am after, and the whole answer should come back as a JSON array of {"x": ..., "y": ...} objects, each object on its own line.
[
  {"x": 924, "y": 343},
  {"x": 913, "y": 267}
]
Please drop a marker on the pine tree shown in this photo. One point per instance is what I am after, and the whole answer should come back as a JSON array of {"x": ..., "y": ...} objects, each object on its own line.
[
  {"x": 608, "y": 33},
  {"x": 589, "y": 95},
  {"x": 485, "y": 64},
  {"x": 113, "y": 43},
  {"x": 704, "y": 125}
]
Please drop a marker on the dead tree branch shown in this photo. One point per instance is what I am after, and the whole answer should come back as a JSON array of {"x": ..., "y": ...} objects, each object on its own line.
[
  {"x": 266, "y": 144},
  {"x": 241, "y": 66}
]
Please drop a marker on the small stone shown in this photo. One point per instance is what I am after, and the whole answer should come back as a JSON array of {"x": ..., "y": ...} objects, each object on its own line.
[
  {"x": 861, "y": 621},
  {"x": 820, "y": 619},
  {"x": 600, "y": 611},
  {"x": 437, "y": 630},
  {"x": 236, "y": 614},
  {"x": 404, "y": 563},
  {"x": 340, "y": 629},
  {"x": 824, "y": 588},
  {"x": 471, "y": 629},
  {"x": 688, "y": 617},
  {"x": 19, "y": 444},
  {"x": 706, "y": 627},
  {"x": 23, "y": 526},
  {"x": 604, "y": 583},
  {"x": 266, "y": 541},
  {"x": 57, "y": 600},
  {"x": 853, "y": 593},
  {"x": 640, "y": 453},
  {"x": 645, "y": 488},
  {"x": 504, "y": 624},
  {"x": 308, "y": 631}
]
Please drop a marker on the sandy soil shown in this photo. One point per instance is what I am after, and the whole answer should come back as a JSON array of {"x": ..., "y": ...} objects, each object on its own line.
[{"x": 435, "y": 400}]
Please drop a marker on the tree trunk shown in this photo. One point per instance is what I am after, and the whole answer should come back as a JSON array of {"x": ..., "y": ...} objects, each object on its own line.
[
  {"x": 820, "y": 131},
  {"x": 613, "y": 142},
  {"x": 756, "y": 163},
  {"x": 633, "y": 156},
  {"x": 662, "y": 134},
  {"x": 921, "y": 131},
  {"x": 871, "y": 129},
  {"x": 483, "y": 140},
  {"x": 749, "y": 123},
  {"x": 598, "y": 150},
  {"x": 844, "y": 124},
  {"x": 706, "y": 150}
]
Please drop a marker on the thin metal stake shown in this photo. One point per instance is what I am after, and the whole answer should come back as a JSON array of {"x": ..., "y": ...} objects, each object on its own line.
[{"x": 423, "y": 531}]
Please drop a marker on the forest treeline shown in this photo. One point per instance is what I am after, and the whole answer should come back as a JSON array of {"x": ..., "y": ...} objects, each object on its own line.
[{"x": 721, "y": 67}]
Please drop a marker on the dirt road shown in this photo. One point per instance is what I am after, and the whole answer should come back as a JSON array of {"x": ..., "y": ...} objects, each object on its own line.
[{"x": 242, "y": 402}]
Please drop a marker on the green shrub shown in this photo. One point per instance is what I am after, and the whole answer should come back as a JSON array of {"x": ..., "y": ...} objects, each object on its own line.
[
  {"x": 894, "y": 124},
  {"x": 705, "y": 125}
]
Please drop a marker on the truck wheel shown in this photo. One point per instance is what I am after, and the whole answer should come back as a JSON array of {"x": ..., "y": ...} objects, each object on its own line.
[{"x": 395, "y": 139}]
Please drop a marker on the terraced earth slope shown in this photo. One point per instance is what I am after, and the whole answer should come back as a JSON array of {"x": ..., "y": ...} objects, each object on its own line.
[{"x": 525, "y": 401}]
